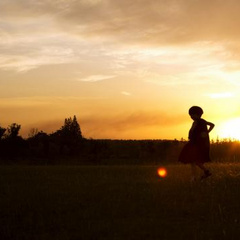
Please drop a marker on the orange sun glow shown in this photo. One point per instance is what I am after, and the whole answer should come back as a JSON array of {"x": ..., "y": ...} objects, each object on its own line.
[
  {"x": 162, "y": 172},
  {"x": 231, "y": 129}
]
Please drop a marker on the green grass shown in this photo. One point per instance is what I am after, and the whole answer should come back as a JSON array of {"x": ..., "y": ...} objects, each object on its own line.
[{"x": 118, "y": 202}]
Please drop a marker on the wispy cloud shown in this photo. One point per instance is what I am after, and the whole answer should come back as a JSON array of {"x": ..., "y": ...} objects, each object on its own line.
[
  {"x": 120, "y": 125},
  {"x": 173, "y": 35},
  {"x": 35, "y": 58},
  {"x": 126, "y": 93},
  {"x": 221, "y": 95},
  {"x": 158, "y": 22},
  {"x": 96, "y": 78}
]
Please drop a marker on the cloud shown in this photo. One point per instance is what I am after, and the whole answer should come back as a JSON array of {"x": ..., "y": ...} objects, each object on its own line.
[
  {"x": 221, "y": 95},
  {"x": 96, "y": 78},
  {"x": 100, "y": 126},
  {"x": 155, "y": 22},
  {"x": 126, "y": 93},
  {"x": 23, "y": 63},
  {"x": 158, "y": 22},
  {"x": 158, "y": 41}
]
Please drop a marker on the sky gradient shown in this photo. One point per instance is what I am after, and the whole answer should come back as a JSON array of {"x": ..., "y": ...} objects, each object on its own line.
[{"x": 127, "y": 70}]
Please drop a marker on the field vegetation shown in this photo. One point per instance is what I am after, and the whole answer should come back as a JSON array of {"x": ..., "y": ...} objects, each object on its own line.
[{"x": 118, "y": 202}]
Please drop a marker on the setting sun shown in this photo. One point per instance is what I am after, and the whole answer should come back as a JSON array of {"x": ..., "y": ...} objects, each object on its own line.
[{"x": 230, "y": 129}]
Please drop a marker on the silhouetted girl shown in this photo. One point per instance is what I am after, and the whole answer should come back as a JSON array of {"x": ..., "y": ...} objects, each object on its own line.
[{"x": 196, "y": 151}]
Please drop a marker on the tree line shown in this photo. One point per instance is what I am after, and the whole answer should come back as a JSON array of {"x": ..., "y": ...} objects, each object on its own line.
[{"x": 67, "y": 146}]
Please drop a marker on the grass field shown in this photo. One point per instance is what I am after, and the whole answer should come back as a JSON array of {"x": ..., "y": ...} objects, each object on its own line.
[{"x": 118, "y": 202}]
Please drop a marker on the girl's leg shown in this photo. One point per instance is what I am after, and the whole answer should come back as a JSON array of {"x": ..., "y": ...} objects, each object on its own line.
[
  {"x": 194, "y": 172},
  {"x": 206, "y": 171},
  {"x": 201, "y": 166}
]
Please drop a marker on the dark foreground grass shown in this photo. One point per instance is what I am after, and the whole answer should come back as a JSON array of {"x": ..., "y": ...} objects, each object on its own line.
[{"x": 128, "y": 202}]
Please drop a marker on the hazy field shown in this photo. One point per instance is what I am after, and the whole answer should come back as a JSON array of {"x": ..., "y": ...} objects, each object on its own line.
[{"x": 128, "y": 202}]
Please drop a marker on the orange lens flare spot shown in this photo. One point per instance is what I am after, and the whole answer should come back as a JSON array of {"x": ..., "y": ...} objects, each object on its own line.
[{"x": 162, "y": 172}]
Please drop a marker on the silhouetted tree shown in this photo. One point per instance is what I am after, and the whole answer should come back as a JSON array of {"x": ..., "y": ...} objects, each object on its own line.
[
  {"x": 33, "y": 132},
  {"x": 13, "y": 145},
  {"x": 71, "y": 129},
  {"x": 39, "y": 143},
  {"x": 13, "y": 130},
  {"x": 2, "y": 131},
  {"x": 68, "y": 136}
]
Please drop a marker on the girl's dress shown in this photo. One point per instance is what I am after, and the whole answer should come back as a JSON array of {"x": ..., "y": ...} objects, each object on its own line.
[{"x": 197, "y": 149}]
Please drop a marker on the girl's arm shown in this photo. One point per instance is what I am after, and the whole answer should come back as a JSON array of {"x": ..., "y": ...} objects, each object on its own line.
[{"x": 211, "y": 126}]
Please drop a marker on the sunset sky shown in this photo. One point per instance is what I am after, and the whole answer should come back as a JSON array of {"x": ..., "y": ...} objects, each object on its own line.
[{"x": 126, "y": 69}]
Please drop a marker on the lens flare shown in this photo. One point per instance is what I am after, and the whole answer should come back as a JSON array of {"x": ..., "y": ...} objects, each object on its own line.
[{"x": 162, "y": 172}]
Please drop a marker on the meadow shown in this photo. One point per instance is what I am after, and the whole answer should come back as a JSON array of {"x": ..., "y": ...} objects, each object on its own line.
[{"x": 118, "y": 202}]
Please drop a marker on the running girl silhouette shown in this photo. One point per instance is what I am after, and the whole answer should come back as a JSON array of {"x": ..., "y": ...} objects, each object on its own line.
[{"x": 196, "y": 151}]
